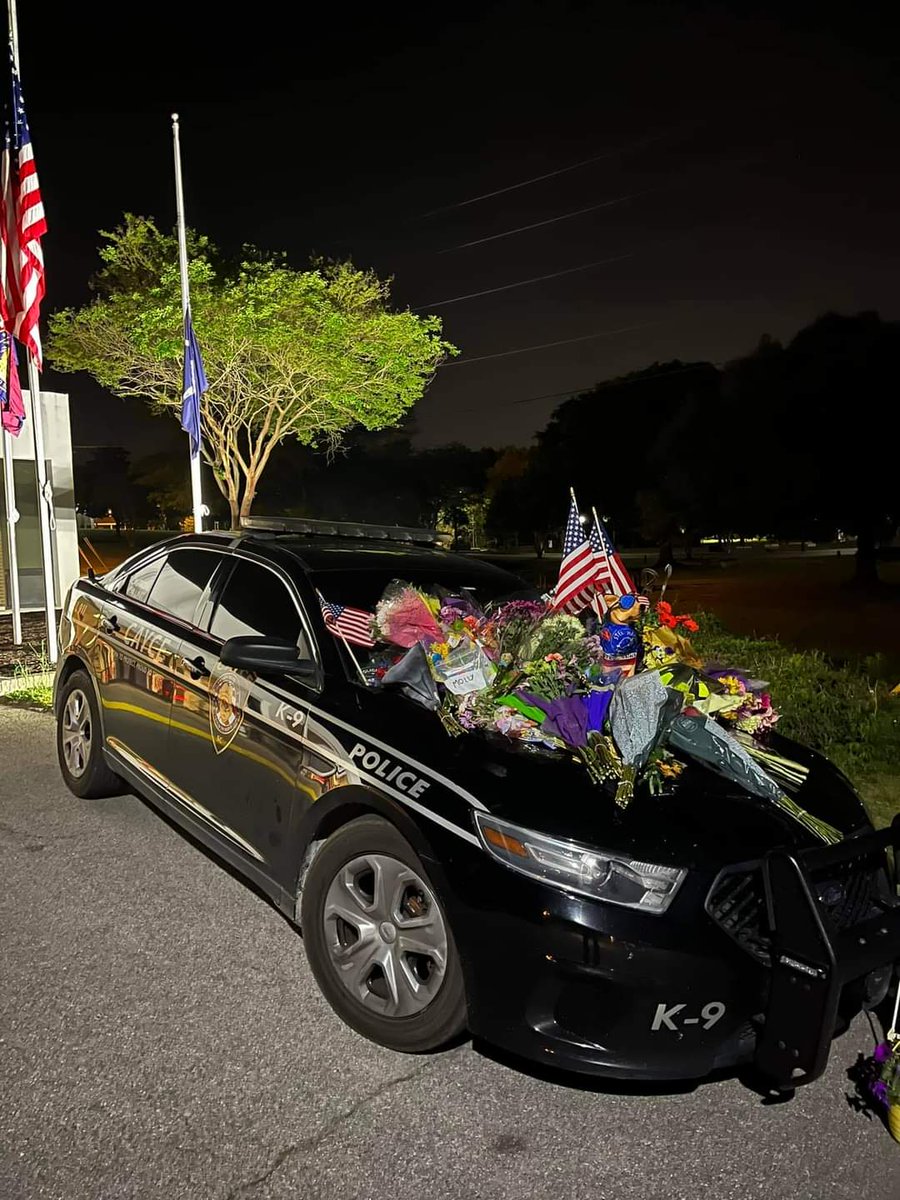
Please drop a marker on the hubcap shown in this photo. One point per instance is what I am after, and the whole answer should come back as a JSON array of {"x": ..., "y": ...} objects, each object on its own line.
[
  {"x": 386, "y": 935},
  {"x": 76, "y": 733}
]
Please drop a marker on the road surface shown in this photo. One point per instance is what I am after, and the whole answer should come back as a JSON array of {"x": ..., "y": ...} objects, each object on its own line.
[{"x": 161, "y": 1038}]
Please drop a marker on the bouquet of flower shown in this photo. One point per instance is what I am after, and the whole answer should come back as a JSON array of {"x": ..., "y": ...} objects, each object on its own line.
[
  {"x": 885, "y": 1085},
  {"x": 404, "y": 616},
  {"x": 753, "y": 713},
  {"x": 663, "y": 644}
]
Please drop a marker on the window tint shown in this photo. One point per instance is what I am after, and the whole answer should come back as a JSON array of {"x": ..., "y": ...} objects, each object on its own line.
[
  {"x": 256, "y": 601},
  {"x": 139, "y": 583},
  {"x": 181, "y": 582}
]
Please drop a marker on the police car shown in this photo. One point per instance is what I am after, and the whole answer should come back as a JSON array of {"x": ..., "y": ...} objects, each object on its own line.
[{"x": 448, "y": 884}]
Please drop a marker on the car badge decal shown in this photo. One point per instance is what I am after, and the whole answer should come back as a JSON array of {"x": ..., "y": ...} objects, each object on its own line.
[{"x": 227, "y": 696}]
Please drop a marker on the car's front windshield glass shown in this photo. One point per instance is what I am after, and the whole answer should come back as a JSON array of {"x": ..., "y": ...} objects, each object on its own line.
[{"x": 361, "y": 589}]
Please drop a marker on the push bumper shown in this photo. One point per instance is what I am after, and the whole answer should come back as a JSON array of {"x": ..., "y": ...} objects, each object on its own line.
[
  {"x": 812, "y": 960},
  {"x": 597, "y": 990}
]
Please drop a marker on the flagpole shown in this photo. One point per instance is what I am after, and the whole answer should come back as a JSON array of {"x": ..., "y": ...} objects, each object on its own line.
[
  {"x": 9, "y": 481},
  {"x": 343, "y": 637},
  {"x": 44, "y": 488},
  {"x": 12, "y": 515},
  {"x": 197, "y": 504},
  {"x": 594, "y": 600},
  {"x": 596, "y": 597}
]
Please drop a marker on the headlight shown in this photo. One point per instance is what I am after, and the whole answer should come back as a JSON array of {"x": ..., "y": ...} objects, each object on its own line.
[{"x": 595, "y": 873}]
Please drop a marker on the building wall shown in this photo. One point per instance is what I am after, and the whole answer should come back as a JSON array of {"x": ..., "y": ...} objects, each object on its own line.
[{"x": 58, "y": 450}]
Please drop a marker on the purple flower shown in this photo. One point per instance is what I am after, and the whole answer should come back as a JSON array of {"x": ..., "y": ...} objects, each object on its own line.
[
  {"x": 597, "y": 706},
  {"x": 528, "y": 610},
  {"x": 880, "y": 1091},
  {"x": 567, "y": 717},
  {"x": 882, "y": 1052}
]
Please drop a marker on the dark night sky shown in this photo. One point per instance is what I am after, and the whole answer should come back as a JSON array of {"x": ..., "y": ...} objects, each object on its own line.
[{"x": 758, "y": 153}]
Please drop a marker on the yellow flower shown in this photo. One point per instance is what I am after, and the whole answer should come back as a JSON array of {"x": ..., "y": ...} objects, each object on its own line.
[{"x": 731, "y": 684}]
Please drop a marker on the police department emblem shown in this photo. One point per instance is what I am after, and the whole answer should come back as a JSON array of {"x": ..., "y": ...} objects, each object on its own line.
[{"x": 227, "y": 696}]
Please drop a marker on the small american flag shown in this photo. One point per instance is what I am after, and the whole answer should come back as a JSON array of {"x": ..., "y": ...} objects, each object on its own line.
[
  {"x": 610, "y": 573},
  {"x": 22, "y": 225},
  {"x": 575, "y": 587},
  {"x": 350, "y": 624}
]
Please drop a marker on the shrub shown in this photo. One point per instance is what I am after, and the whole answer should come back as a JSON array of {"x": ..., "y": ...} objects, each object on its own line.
[{"x": 838, "y": 709}]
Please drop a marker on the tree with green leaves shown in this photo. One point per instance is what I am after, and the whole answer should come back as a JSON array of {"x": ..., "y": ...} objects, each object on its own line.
[{"x": 288, "y": 354}]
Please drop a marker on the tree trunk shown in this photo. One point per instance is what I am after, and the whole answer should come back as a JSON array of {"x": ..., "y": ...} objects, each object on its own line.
[
  {"x": 247, "y": 498},
  {"x": 666, "y": 555},
  {"x": 235, "y": 512}
]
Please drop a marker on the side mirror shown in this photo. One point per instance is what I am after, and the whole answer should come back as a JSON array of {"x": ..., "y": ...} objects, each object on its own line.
[{"x": 267, "y": 656}]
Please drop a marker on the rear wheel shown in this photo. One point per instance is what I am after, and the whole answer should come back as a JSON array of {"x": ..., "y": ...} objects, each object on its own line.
[
  {"x": 379, "y": 942},
  {"x": 79, "y": 741}
]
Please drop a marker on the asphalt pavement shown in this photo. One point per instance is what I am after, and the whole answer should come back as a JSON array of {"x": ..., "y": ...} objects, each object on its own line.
[{"x": 161, "y": 1037}]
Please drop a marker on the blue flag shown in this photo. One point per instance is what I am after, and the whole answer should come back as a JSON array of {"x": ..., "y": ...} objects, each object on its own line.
[{"x": 195, "y": 385}]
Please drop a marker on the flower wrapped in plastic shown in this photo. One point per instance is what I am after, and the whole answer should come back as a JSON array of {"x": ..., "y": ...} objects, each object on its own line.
[{"x": 404, "y": 616}]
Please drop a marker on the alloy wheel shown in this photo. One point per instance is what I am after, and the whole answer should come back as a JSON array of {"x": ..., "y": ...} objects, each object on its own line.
[
  {"x": 76, "y": 733},
  {"x": 386, "y": 935}
]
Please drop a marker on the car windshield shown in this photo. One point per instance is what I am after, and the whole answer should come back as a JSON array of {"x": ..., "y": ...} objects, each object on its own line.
[{"x": 363, "y": 587}]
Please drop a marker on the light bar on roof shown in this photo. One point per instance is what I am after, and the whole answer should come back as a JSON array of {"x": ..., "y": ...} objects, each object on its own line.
[{"x": 341, "y": 529}]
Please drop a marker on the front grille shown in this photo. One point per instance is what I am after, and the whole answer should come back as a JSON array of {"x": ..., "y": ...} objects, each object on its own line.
[
  {"x": 846, "y": 894},
  {"x": 737, "y": 903}
]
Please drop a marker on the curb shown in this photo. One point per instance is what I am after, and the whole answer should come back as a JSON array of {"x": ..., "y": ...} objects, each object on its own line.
[{"x": 16, "y": 683}]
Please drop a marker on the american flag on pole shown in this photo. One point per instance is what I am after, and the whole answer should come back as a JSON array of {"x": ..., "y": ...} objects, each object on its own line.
[
  {"x": 350, "y": 624},
  {"x": 22, "y": 225},
  {"x": 575, "y": 586},
  {"x": 610, "y": 573},
  {"x": 12, "y": 410}
]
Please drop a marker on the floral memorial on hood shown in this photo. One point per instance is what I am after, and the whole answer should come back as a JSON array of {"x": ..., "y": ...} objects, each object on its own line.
[{"x": 592, "y": 671}]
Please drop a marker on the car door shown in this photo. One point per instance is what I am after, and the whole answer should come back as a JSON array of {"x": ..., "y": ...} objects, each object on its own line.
[
  {"x": 140, "y": 626},
  {"x": 236, "y": 748}
]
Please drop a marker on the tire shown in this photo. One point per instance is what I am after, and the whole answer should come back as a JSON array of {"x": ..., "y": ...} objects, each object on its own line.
[
  {"x": 79, "y": 741},
  {"x": 378, "y": 940}
]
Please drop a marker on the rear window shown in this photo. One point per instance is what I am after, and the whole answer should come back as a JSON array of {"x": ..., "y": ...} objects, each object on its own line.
[{"x": 182, "y": 581}]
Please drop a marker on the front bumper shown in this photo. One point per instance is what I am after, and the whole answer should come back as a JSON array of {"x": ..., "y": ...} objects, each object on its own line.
[
  {"x": 596, "y": 989},
  {"x": 814, "y": 958}
]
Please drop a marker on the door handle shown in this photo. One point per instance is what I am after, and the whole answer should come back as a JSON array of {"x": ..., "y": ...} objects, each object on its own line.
[{"x": 196, "y": 666}]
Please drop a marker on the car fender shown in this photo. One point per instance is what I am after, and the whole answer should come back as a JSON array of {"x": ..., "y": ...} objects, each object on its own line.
[
  {"x": 72, "y": 662},
  {"x": 337, "y": 808}
]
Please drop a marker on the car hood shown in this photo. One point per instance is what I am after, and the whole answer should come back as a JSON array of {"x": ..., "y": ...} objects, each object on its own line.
[{"x": 705, "y": 820}]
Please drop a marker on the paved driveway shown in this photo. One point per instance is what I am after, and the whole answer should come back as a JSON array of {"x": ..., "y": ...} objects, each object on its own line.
[{"x": 161, "y": 1037}]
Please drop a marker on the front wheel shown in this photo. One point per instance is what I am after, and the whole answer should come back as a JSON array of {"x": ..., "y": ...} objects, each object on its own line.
[
  {"x": 378, "y": 940},
  {"x": 79, "y": 741}
]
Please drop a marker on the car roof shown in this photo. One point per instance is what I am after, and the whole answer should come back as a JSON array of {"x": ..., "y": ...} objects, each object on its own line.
[{"x": 319, "y": 554}]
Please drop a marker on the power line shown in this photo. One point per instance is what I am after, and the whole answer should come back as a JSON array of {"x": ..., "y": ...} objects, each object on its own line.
[
  {"x": 512, "y": 187},
  {"x": 550, "y": 221},
  {"x": 524, "y": 282},
  {"x": 462, "y": 362}
]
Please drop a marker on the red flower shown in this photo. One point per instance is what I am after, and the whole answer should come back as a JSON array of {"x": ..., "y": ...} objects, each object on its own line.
[
  {"x": 664, "y": 607},
  {"x": 380, "y": 672},
  {"x": 690, "y": 624},
  {"x": 668, "y": 620}
]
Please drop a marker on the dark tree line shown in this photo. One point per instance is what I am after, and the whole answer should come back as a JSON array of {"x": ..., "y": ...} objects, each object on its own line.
[{"x": 793, "y": 441}]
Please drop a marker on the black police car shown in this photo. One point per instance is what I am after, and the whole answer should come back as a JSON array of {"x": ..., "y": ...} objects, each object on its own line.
[{"x": 449, "y": 883}]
